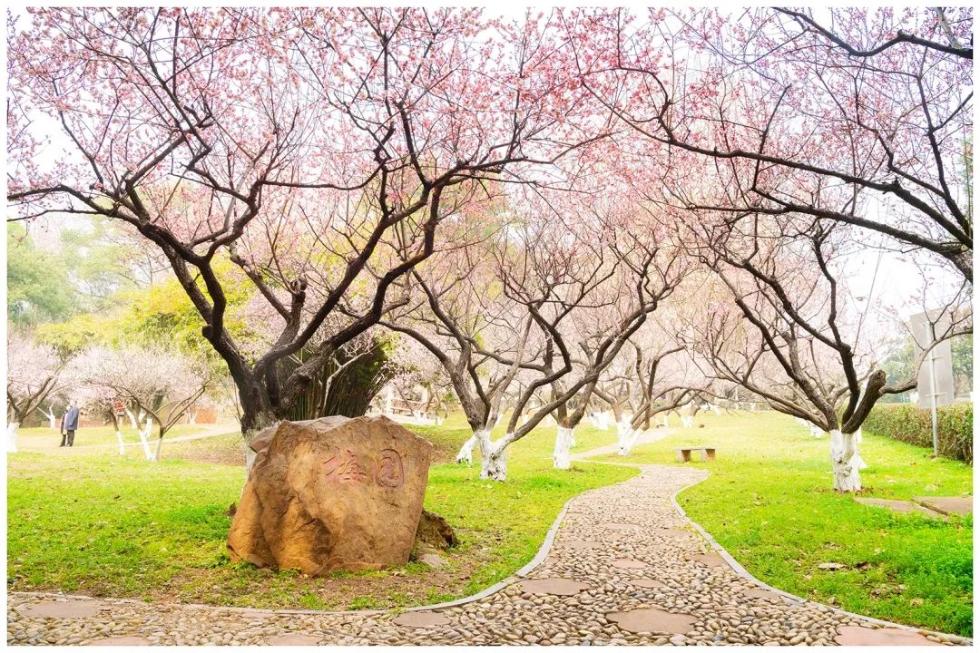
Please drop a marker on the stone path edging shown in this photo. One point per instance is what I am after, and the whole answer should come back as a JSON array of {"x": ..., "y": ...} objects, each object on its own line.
[{"x": 744, "y": 573}]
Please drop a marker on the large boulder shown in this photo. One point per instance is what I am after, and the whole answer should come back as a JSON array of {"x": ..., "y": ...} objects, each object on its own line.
[{"x": 333, "y": 493}]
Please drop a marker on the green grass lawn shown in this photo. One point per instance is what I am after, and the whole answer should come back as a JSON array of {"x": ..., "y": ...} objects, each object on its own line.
[
  {"x": 46, "y": 438},
  {"x": 769, "y": 501},
  {"x": 95, "y": 523}
]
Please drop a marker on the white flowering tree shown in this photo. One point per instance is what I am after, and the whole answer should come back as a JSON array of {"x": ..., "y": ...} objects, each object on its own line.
[
  {"x": 33, "y": 373},
  {"x": 162, "y": 386}
]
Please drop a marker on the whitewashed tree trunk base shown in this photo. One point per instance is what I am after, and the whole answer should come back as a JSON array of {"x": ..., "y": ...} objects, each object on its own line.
[
  {"x": 465, "y": 455},
  {"x": 563, "y": 445},
  {"x": 627, "y": 440},
  {"x": 12, "y": 436},
  {"x": 494, "y": 465},
  {"x": 122, "y": 443},
  {"x": 845, "y": 462},
  {"x": 145, "y": 439},
  {"x": 602, "y": 421},
  {"x": 857, "y": 451}
]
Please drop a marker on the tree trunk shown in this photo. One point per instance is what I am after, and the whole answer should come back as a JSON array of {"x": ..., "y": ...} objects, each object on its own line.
[
  {"x": 465, "y": 454},
  {"x": 388, "y": 407},
  {"x": 564, "y": 440},
  {"x": 156, "y": 456},
  {"x": 624, "y": 431},
  {"x": 626, "y": 436},
  {"x": 602, "y": 420},
  {"x": 132, "y": 419},
  {"x": 494, "y": 454},
  {"x": 144, "y": 434},
  {"x": 857, "y": 451},
  {"x": 843, "y": 454},
  {"x": 122, "y": 444},
  {"x": 252, "y": 423},
  {"x": 12, "y": 436}
]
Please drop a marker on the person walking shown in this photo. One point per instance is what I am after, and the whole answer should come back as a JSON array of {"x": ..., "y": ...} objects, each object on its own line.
[{"x": 69, "y": 424}]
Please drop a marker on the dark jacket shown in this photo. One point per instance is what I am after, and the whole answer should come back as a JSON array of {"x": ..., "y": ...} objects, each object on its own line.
[{"x": 69, "y": 422}]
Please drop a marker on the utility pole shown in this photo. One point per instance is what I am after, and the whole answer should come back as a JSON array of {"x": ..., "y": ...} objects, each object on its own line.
[{"x": 932, "y": 389}]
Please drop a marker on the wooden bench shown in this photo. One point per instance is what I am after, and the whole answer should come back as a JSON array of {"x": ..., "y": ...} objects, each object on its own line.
[{"x": 684, "y": 453}]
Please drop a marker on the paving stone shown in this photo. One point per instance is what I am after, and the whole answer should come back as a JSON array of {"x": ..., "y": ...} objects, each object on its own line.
[
  {"x": 71, "y": 609},
  {"x": 896, "y": 505},
  {"x": 421, "y": 619},
  {"x": 648, "y": 583},
  {"x": 555, "y": 586},
  {"x": 948, "y": 505},
  {"x": 434, "y": 560},
  {"x": 859, "y": 636},
  {"x": 653, "y": 620},
  {"x": 710, "y": 559}
]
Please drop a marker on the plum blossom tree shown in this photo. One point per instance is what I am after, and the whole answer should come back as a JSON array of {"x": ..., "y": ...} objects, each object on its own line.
[
  {"x": 656, "y": 380},
  {"x": 588, "y": 284},
  {"x": 792, "y": 338},
  {"x": 160, "y": 384},
  {"x": 34, "y": 373},
  {"x": 460, "y": 317},
  {"x": 316, "y": 149},
  {"x": 101, "y": 401},
  {"x": 416, "y": 378},
  {"x": 863, "y": 118}
]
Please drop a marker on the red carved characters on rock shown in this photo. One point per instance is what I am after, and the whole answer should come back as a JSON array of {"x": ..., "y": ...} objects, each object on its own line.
[
  {"x": 345, "y": 468},
  {"x": 390, "y": 472}
]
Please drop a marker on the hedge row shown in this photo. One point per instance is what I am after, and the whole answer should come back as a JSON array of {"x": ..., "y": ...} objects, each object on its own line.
[{"x": 909, "y": 423}]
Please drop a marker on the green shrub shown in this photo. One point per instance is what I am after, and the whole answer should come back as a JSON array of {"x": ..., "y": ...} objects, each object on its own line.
[{"x": 909, "y": 423}]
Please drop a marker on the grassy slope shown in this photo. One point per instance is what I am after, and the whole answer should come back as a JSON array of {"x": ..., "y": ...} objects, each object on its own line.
[
  {"x": 769, "y": 502},
  {"x": 93, "y": 523}
]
